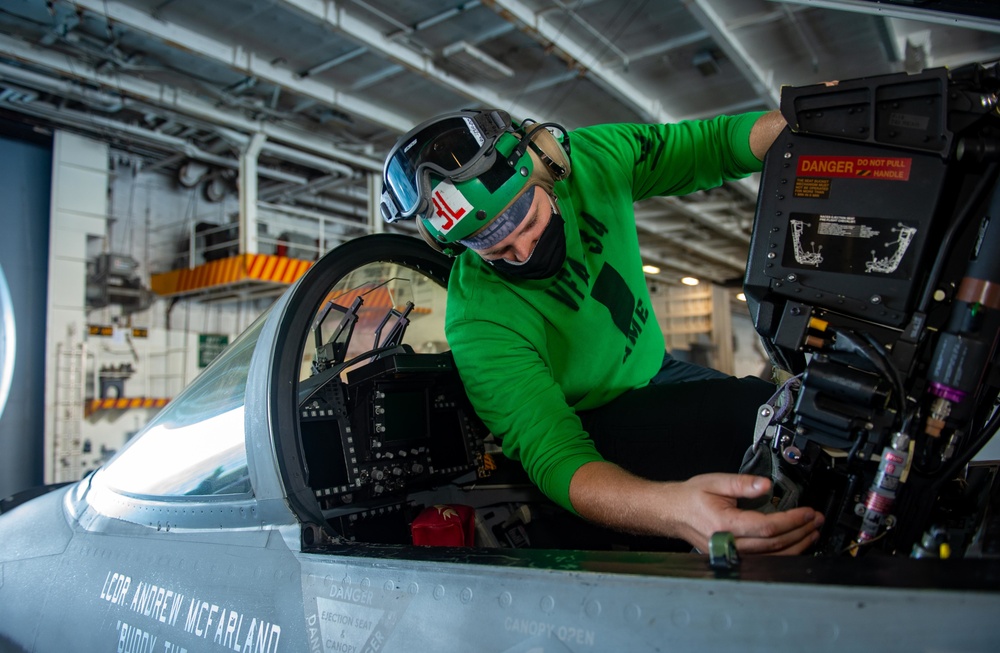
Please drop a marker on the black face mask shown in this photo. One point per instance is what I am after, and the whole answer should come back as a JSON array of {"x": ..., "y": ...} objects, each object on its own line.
[{"x": 545, "y": 260}]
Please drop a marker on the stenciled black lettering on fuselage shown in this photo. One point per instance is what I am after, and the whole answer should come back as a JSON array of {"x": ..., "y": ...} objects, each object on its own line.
[{"x": 610, "y": 289}]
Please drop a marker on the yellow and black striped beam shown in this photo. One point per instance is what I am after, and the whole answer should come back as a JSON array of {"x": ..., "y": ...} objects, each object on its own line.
[
  {"x": 124, "y": 403},
  {"x": 266, "y": 268},
  {"x": 107, "y": 330}
]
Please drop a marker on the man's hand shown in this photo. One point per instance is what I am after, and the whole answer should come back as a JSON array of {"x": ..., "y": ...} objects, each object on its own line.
[
  {"x": 691, "y": 510},
  {"x": 707, "y": 504}
]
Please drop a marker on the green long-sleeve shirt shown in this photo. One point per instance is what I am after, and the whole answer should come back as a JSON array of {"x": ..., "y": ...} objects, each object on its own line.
[{"x": 532, "y": 353}]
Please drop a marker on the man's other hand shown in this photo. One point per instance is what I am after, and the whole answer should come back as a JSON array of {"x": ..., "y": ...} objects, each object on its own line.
[
  {"x": 691, "y": 510},
  {"x": 708, "y": 504}
]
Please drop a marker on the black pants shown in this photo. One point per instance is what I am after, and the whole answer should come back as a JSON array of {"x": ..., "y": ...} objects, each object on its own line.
[{"x": 673, "y": 431}]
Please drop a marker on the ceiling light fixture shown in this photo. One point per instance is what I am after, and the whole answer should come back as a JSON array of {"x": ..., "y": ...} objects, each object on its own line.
[
  {"x": 650, "y": 269},
  {"x": 740, "y": 296},
  {"x": 690, "y": 281}
]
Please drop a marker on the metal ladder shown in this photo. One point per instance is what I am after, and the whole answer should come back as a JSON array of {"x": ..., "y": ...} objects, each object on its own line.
[{"x": 70, "y": 388}]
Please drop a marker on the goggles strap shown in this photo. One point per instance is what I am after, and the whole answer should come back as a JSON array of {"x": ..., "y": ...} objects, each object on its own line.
[{"x": 526, "y": 141}]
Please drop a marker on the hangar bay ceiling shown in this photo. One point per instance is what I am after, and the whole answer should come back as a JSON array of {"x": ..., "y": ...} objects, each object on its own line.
[{"x": 321, "y": 89}]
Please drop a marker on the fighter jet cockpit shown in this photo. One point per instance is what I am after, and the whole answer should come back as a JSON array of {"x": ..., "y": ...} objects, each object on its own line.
[
  {"x": 347, "y": 386},
  {"x": 393, "y": 451},
  {"x": 382, "y": 412}
]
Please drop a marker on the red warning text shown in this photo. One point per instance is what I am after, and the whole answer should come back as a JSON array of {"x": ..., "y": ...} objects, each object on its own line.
[{"x": 856, "y": 167}]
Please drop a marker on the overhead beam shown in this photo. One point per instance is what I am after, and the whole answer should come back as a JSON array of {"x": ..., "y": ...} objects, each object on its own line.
[
  {"x": 161, "y": 97},
  {"x": 605, "y": 42},
  {"x": 762, "y": 81},
  {"x": 543, "y": 84},
  {"x": 336, "y": 61},
  {"x": 704, "y": 252},
  {"x": 687, "y": 266},
  {"x": 922, "y": 14},
  {"x": 238, "y": 58},
  {"x": 700, "y": 215},
  {"x": 663, "y": 47},
  {"x": 430, "y": 21},
  {"x": 583, "y": 58},
  {"x": 99, "y": 126},
  {"x": 336, "y": 16}
]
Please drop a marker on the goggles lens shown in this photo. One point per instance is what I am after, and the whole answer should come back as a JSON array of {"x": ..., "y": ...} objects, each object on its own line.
[{"x": 447, "y": 146}]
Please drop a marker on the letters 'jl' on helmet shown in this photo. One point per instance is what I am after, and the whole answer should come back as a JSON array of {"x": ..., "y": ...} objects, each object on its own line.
[{"x": 456, "y": 173}]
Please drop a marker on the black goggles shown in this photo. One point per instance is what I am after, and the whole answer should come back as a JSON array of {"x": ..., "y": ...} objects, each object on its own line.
[{"x": 457, "y": 146}]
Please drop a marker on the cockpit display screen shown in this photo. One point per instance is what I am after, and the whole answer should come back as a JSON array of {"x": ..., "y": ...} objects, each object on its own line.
[{"x": 403, "y": 414}]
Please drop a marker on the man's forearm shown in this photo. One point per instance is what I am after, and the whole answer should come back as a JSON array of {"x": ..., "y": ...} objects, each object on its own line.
[{"x": 606, "y": 494}]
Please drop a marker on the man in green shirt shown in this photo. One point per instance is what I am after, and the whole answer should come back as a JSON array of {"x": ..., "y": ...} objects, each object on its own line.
[{"x": 550, "y": 323}]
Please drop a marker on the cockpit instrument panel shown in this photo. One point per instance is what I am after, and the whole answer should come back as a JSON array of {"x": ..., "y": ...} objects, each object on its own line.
[{"x": 378, "y": 419}]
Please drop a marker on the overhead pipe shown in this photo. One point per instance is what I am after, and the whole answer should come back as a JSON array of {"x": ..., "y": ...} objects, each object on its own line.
[
  {"x": 699, "y": 214},
  {"x": 90, "y": 97},
  {"x": 306, "y": 159},
  {"x": 762, "y": 81},
  {"x": 143, "y": 93},
  {"x": 582, "y": 58},
  {"x": 87, "y": 123},
  {"x": 237, "y": 58},
  {"x": 907, "y": 11},
  {"x": 430, "y": 21},
  {"x": 374, "y": 188},
  {"x": 323, "y": 183},
  {"x": 327, "y": 204},
  {"x": 289, "y": 154},
  {"x": 248, "y": 194},
  {"x": 703, "y": 251}
]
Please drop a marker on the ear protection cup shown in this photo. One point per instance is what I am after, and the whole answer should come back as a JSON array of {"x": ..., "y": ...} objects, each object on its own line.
[{"x": 552, "y": 153}]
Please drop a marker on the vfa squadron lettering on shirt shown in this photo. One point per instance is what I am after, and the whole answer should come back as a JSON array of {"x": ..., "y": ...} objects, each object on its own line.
[
  {"x": 610, "y": 289},
  {"x": 650, "y": 149},
  {"x": 573, "y": 279},
  {"x": 628, "y": 314}
]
